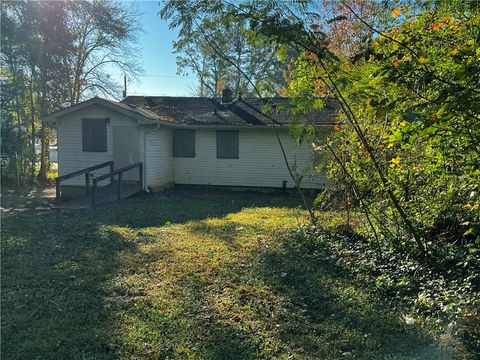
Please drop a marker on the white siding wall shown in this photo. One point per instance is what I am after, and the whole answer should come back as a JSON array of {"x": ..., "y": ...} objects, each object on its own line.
[
  {"x": 71, "y": 156},
  {"x": 158, "y": 161},
  {"x": 260, "y": 161}
]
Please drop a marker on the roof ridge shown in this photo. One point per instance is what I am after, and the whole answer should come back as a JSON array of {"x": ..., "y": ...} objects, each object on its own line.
[{"x": 200, "y": 111}]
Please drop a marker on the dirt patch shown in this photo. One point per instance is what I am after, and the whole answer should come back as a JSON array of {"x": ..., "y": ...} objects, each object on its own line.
[{"x": 14, "y": 202}]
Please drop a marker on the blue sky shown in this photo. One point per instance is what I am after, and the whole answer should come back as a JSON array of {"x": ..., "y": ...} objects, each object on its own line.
[{"x": 160, "y": 69}]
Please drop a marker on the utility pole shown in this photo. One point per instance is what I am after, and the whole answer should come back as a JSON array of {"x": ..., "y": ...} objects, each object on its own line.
[{"x": 124, "y": 86}]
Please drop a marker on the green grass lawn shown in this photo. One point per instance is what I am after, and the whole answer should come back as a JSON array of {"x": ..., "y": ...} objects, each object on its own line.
[{"x": 187, "y": 275}]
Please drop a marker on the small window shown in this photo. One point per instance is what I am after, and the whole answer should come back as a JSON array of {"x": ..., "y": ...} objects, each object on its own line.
[
  {"x": 227, "y": 144},
  {"x": 94, "y": 134},
  {"x": 184, "y": 143}
]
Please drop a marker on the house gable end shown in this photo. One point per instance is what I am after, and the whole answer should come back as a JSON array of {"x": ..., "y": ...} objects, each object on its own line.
[
  {"x": 98, "y": 107},
  {"x": 98, "y": 111}
]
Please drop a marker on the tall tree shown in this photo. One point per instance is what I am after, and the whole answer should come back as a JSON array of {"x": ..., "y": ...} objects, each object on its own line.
[
  {"x": 423, "y": 69},
  {"x": 57, "y": 53},
  {"x": 103, "y": 38},
  {"x": 31, "y": 50},
  {"x": 222, "y": 52}
]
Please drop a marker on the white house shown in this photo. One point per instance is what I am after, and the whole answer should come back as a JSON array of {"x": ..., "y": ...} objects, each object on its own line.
[{"x": 186, "y": 140}]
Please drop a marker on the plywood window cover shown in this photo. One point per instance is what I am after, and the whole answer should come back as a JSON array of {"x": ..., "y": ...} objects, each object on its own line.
[
  {"x": 227, "y": 144},
  {"x": 94, "y": 134},
  {"x": 184, "y": 143}
]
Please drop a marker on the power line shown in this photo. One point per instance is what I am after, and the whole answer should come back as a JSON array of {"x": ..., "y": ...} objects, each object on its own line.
[
  {"x": 156, "y": 94},
  {"x": 161, "y": 76}
]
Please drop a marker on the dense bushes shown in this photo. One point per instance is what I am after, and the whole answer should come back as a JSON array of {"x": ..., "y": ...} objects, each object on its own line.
[
  {"x": 405, "y": 154},
  {"x": 440, "y": 294},
  {"x": 418, "y": 105},
  {"x": 407, "y": 143}
]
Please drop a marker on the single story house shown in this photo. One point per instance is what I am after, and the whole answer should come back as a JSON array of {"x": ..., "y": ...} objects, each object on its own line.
[{"x": 186, "y": 140}]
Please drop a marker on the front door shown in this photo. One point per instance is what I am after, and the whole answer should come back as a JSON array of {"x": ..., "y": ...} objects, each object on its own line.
[{"x": 126, "y": 149}]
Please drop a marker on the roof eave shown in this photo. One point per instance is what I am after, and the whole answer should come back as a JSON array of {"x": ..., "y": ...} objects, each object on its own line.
[
  {"x": 215, "y": 126},
  {"x": 141, "y": 119}
]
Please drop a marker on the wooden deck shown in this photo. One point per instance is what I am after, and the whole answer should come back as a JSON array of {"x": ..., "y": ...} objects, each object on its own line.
[{"x": 105, "y": 195}]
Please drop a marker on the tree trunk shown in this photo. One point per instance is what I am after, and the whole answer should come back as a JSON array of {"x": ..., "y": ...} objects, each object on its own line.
[
  {"x": 44, "y": 158},
  {"x": 32, "y": 119},
  {"x": 345, "y": 106},
  {"x": 17, "y": 140},
  {"x": 44, "y": 155}
]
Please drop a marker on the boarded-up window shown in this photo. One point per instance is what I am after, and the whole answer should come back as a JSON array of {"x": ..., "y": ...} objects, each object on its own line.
[
  {"x": 184, "y": 143},
  {"x": 227, "y": 144},
  {"x": 94, "y": 134}
]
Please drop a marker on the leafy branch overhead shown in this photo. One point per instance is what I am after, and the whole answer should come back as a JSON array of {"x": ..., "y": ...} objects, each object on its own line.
[
  {"x": 408, "y": 75},
  {"x": 405, "y": 76},
  {"x": 238, "y": 52}
]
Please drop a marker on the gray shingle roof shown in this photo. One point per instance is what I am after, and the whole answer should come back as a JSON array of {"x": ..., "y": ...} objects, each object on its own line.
[{"x": 208, "y": 111}]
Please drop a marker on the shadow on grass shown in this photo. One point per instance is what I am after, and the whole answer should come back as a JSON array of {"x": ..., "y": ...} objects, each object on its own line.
[
  {"x": 178, "y": 206},
  {"x": 56, "y": 270},
  {"x": 14, "y": 202},
  {"x": 331, "y": 316},
  {"x": 121, "y": 282},
  {"x": 53, "y": 270}
]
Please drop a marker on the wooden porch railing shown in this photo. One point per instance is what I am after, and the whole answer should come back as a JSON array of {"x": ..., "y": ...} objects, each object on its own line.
[
  {"x": 86, "y": 171},
  {"x": 112, "y": 174}
]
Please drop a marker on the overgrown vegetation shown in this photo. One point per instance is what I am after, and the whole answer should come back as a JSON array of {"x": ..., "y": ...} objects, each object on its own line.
[
  {"x": 406, "y": 155},
  {"x": 213, "y": 280},
  {"x": 413, "y": 108},
  {"x": 440, "y": 294},
  {"x": 404, "y": 152},
  {"x": 189, "y": 275}
]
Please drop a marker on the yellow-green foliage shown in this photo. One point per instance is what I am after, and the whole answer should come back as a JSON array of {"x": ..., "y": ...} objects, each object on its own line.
[{"x": 414, "y": 98}]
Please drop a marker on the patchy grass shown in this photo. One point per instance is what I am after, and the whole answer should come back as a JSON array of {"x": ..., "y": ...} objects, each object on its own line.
[{"x": 187, "y": 275}]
